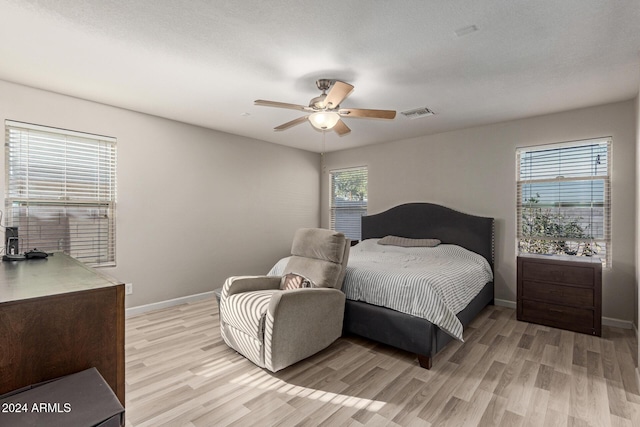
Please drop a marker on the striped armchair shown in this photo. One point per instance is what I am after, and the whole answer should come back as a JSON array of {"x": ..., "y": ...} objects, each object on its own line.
[{"x": 275, "y": 328}]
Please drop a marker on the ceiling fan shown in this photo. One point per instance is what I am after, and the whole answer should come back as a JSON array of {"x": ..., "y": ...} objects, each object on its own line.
[{"x": 324, "y": 110}]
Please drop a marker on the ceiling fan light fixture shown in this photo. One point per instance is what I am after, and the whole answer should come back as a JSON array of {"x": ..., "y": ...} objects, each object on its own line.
[
  {"x": 324, "y": 112},
  {"x": 324, "y": 120}
]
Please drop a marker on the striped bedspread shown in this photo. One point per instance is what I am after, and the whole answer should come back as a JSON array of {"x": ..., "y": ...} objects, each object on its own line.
[{"x": 430, "y": 283}]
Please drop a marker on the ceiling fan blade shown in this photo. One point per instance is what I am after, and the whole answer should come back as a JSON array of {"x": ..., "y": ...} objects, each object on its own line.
[
  {"x": 341, "y": 128},
  {"x": 339, "y": 91},
  {"x": 292, "y": 123},
  {"x": 264, "y": 103},
  {"x": 369, "y": 114}
]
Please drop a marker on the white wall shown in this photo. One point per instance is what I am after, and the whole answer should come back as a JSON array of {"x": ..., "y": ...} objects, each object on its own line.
[
  {"x": 473, "y": 171},
  {"x": 194, "y": 205}
]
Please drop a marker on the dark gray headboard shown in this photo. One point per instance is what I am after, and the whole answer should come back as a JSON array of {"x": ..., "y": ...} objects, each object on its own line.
[{"x": 430, "y": 221}]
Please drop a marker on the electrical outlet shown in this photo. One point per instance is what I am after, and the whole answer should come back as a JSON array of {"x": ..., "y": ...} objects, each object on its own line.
[{"x": 128, "y": 288}]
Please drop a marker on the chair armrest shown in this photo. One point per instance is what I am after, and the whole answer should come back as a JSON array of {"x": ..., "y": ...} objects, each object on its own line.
[
  {"x": 238, "y": 284},
  {"x": 297, "y": 300},
  {"x": 301, "y": 322}
]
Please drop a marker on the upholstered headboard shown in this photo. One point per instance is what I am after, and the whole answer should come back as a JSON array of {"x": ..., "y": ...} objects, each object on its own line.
[{"x": 431, "y": 221}]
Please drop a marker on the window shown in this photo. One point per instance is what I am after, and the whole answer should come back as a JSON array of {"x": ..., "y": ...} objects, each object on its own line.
[
  {"x": 61, "y": 191},
  {"x": 563, "y": 204},
  {"x": 348, "y": 200}
]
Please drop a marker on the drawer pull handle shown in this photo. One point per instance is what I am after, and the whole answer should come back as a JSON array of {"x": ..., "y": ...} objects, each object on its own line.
[{"x": 556, "y": 310}]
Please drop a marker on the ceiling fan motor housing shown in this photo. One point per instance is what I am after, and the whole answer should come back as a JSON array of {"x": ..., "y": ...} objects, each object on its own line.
[{"x": 318, "y": 102}]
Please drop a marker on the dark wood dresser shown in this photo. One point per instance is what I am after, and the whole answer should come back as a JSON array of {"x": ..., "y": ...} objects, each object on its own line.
[
  {"x": 561, "y": 291},
  {"x": 59, "y": 317}
]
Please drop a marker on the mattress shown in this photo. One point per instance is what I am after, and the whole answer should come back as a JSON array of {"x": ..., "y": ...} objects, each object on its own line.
[{"x": 433, "y": 283}]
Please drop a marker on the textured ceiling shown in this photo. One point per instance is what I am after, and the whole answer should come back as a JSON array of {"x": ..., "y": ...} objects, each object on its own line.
[{"x": 205, "y": 61}]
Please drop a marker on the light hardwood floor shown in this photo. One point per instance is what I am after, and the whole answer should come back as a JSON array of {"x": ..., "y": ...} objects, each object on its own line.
[{"x": 507, "y": 373}]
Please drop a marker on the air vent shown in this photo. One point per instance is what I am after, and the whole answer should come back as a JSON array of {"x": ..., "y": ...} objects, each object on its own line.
[{"x": 417, "y": 113}]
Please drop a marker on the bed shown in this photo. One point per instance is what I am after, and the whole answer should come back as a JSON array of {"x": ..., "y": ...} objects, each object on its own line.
[
  {"x": 458, "y": 232},
  {"x": 419, "y": 221}
]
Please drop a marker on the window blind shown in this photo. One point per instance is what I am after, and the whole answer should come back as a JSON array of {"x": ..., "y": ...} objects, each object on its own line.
[
  {"x": 348, "y": 200},
  {"x": 563, "y": 199},
  {"x": 61, "y": 191}
]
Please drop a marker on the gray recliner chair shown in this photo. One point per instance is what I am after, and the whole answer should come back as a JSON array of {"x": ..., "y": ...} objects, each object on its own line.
[{"x": 274, "y": 327}]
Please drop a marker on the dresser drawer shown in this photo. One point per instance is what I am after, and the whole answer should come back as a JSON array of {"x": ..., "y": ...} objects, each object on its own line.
[
  {"x": 558, "y": 294},
  {"x": 550, "y": 272},
  {"x": 559, "y": 316}
]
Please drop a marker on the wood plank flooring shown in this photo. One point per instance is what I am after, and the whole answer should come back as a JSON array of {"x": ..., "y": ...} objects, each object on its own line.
[{"x": 507, "y": 373}]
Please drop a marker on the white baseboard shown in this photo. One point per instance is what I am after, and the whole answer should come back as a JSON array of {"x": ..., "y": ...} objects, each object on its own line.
[
  {"x": 134, "y": 311},
  {"x": 618, "y": 323},
  {"x": 608, "y": 321},
  {"x": 505, "y": 303}
]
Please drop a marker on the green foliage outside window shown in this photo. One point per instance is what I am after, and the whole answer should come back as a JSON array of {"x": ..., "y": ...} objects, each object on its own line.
[
  {"x": 538, "y": 221},
  {"x": 350, "y": 186}
]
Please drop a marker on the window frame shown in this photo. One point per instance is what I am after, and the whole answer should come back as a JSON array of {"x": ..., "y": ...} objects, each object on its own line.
[
  {"x": 350, "y": 232},
  {"x": 60, "y": 190},
  {"x": 592, "y": 202}
]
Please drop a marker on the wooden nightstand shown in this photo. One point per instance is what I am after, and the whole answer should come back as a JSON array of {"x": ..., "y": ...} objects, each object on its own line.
[{"x": 561, "y": 291}]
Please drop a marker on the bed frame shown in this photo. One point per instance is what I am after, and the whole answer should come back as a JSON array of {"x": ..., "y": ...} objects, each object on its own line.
[{"x": 420, "y": 220}]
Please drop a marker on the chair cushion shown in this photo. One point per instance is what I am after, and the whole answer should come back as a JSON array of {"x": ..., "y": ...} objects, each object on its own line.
[
  {"x": 246, "y": 311},
  {"x": 319, "y": 243}
]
